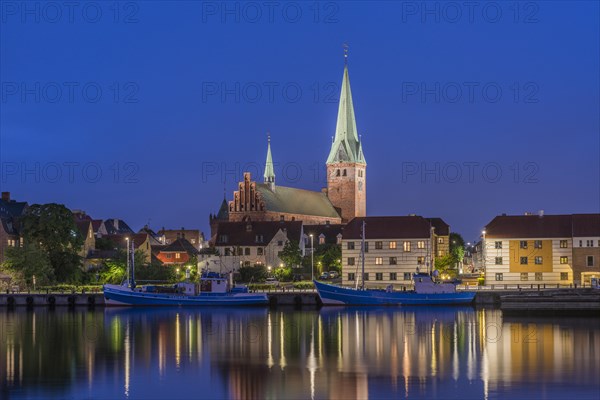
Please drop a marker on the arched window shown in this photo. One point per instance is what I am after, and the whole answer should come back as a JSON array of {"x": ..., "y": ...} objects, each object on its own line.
[{"x": 344, "y": 172}]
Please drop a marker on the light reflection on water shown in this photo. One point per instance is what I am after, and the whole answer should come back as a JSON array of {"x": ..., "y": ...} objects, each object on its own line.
[{"x": 332, "y": 353}]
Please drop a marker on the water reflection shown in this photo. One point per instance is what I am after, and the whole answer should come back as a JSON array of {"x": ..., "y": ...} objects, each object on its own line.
[{"x": 331, "y": 353}]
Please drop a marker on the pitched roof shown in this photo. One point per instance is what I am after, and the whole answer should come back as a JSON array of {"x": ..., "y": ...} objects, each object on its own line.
[
  {"x": 441, "y": 227},
  {"x": 245, "y": 233},
  {"x": 330, "y": 231},
  {"x": 120, "y": 239},
  {"x": 117, "y": 226},
  {"x": 96, "y": 223},
  {"x": 297, "y": 201},
  {"x": 180, "y": 245},
  {"x": 223, "y": 213},
  {"x": 83, "y": 226},
  {"x": 410, "y": 227},
  {"x": 529, "y": 226},
  {"x": 346, "y": 146},
  {"x": 586, "y": 225},
  {"x": 12, "y": 208}
]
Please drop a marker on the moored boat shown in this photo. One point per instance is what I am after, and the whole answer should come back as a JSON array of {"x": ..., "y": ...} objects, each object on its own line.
[
  {"x": 426, "y": 292},
  {"x": 213, "y": 290}
]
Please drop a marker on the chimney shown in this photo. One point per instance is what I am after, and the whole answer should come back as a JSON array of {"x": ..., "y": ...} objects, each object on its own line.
[{"x": 6, "y": 196}]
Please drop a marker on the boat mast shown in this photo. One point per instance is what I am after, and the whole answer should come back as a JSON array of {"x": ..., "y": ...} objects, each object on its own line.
[
  {"x": 132, "y": 255},
  {"x": 362, "y": 255}
]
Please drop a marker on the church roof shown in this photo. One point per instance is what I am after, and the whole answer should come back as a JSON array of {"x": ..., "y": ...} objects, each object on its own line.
[
  {"x": 223, "y": 213},
  {"x": 269, "y": 171},
  {"x": 346, "y": 146},
  {"x": 296, "y": 201}
]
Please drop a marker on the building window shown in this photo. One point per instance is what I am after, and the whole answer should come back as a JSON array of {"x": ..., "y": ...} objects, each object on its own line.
[
  {"x": 499, "y": 276},
  {"x": 537, "y": 244},
  {"x": 581, "y": 243},
  {"x": 227, "y": 251},
  {"x": 351, "y": 276},
  {"x": 524, "y": 276},
  {"x": 321, "y": 239},
  {"x": 366, "y": 247},
  {"x": 337, "y": 172},
  {"x": 193, "y": 241},
  {"x": 441, "y": 240},
  {"x": 177, "y": 256},
  {"x": 378, "y": 245},
  {"x": 378, "y": 276},
  {"x": 247, "y": 251},
  {"x": 366, "y": 276},
  {"x": 378, "y": 260},
  {"x": 498, "y": 260},
  {"x": 523, "y": 244},
  {"x": 393, "y": 261},
  {"x": 590, "y": 261},
  {"x": 421, "y": 260},
  {"x": 406, "y": 246},
  {"x": 523, "y": 260},
  {"x": 538, "y": 260},
  {"x": 282, "y": 218},
  {"x": 280, "y": 243},
  {"x": 350, "y": 245},
  {"x": 338, "y": 239},
  {"x": 222, "y": 239},
  {"x": 420, "y": 244},
  {"x": 564, "y": 260},
  {"x": 564, "y": 244},
  {"x": 539, "y": 276},
  {"x": 393, "y": 276},
  {"x": 259, "y": 238},
  {"x": 407, "y": 276},
  {"x": 259, "y": 251},
  {"x": 350, "y": 260},
  {"x": 169, "y": 255},
  {"x": 564, "y": 276},
  {"x": 498, "y": 245},
  {"x": 344, "y": 173},
  {"x": 393, "y": 245},
  {"x": 246, "y": 263}
]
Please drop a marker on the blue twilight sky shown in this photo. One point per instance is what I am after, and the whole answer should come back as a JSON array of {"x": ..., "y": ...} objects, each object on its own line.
[{"x": 147, "y": 111}]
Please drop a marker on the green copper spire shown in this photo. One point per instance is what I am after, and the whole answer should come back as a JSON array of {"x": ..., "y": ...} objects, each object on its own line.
[
  {"x": 269, "y": 171},
  {"x": 346, "y": 146}
]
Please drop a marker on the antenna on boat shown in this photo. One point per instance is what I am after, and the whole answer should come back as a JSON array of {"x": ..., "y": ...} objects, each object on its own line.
[
  {"x": 362, "y": 255},
  {"x": 132, "y": 254}
]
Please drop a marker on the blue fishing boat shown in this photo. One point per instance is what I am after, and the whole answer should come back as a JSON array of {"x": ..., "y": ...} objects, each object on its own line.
[
  {"x": 213, "y": 290},
  {"x": 426, "y": 292}
]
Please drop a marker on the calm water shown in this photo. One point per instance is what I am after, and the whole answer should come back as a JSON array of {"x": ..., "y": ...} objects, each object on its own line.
[{"x": 332, "y": 353}]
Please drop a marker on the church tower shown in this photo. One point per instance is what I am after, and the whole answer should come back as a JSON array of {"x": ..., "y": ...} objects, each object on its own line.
[{"x": 346, "y": 165}]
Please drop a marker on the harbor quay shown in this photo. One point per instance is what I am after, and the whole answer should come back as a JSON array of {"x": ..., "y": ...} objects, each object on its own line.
[{"x": 522, "y": 299}]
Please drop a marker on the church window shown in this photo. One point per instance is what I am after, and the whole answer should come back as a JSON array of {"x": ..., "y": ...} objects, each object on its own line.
[
  {"x": 337, "y": 173},
  {"x": 344, "y": 174}
]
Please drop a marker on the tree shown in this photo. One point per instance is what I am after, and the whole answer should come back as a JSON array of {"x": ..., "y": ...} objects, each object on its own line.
[
  {"x": 330, "y": 256},
  {"x": 291, "y": 254},
  {"x": 115, "y": 269},
  {"x": 52, "y": 229},
  {"x": 457, "y": 248},
  {"x": 444, "y": 265},
  {"x": 23, "y": 263}
]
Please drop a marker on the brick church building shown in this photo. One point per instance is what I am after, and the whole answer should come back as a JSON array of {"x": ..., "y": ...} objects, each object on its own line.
[{"x": 344, "y": 197}]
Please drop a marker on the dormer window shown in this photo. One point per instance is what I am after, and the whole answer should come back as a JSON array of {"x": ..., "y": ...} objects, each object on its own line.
[
  {"x": 259, "y": 238},
  {"x": 321, "y": 239},
  {"x": 223, "y": 238}
]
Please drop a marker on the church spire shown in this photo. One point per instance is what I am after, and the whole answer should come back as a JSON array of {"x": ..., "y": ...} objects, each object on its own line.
[
  {"x": 346, "y": 146},
  {"x": 269, "y": 171}
]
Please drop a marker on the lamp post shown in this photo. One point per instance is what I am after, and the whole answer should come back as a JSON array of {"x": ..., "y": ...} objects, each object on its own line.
[
  {"x": 312, "y": 259},
  {"x": 483, "y": 251}
]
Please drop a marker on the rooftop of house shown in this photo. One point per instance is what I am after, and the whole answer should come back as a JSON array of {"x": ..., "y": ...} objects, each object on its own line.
[
  {"x": 543, "y": 226},
  {"x": 259, "y": 233},
  {"x": 180, "y": 245},
  {"x": 297, "y": 201},
  {"x": 410, "y": 227},
  {"x": 329, "y": 231}
]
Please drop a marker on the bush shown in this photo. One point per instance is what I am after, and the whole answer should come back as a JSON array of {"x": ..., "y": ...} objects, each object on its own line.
[
  {"x": 304, "y": 285},
  {"x": 481, "y": 281}
]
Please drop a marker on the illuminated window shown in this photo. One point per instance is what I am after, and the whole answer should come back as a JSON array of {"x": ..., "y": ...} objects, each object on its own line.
[
  {"x": 441, "y": 240},
  {"x": 537, "y": 244},
  {"x": 524, "y": 276},
  {"x": 564, "y": 260},
  {"x": 321, "y": 239},
  {"x": 420, "y": 244},
  {"x": 393, "y": 245},
  {"x": 564, "y": 244},
  {"x": 499, "y": 276},
  {"x": 177, "y": 256},
  {"x": 378, "y": 260},
  {"x": 564, "y": 276},
  {"x": 538, "y": 260},
  {"x": 421, "y": 260},
  {"x": 539, "y": 276},
  {"x": 406, "y": 246}
]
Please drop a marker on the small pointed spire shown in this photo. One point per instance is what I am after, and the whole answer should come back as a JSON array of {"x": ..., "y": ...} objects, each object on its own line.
[
  {"x": 345, "y": 53},
  {"x": 269, "y": 176}
]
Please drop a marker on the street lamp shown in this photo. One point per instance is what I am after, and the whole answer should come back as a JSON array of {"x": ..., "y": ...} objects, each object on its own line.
[
  {"x": 483, "y": 252},
  {"x": 312, "y": 258}
]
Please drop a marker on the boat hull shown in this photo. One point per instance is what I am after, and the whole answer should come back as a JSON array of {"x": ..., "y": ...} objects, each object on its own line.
[
  {"x": 337, "y": 295},
  {"x": 116, "y": 296}
]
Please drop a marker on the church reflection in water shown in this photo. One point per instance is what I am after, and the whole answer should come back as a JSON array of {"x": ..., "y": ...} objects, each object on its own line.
[{"x": 331, "y": 353}]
